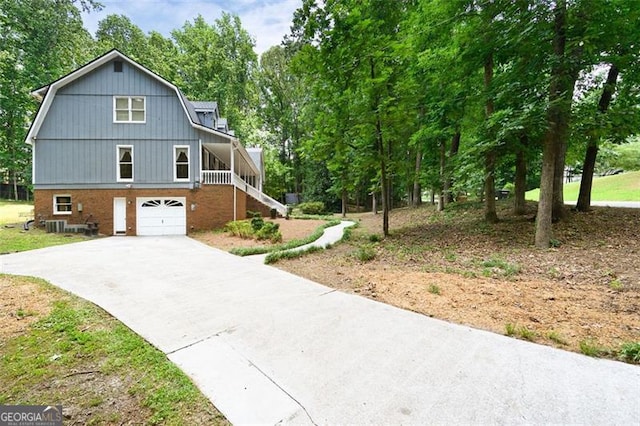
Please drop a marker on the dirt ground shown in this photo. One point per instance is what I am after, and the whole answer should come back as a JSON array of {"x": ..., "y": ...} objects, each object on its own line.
[
  {"x": 584, "y": 293},
  {"x": 20, "y": 306},
  {"x": 291, "y": 229}
]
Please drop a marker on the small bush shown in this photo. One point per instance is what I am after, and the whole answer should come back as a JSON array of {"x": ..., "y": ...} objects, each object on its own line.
[
  {"x": 347, "y": 233},
  {"x": 510, "y": 329},
  {"x": 630, "y": 352},
  {"x": 434, "y": 289},
  {"x": 507, "y": 269},
  {"x": 239, "y": 228},
  {"x": 365, "y": 253},
  {"x": 616, "y": 285},
  {"x": 590, "y": 348},
  {"x": 375, "y": 238},
  {"x": 554, "y": 336},
  {"x": 251, "y": 214},
  {"x": 269, "y": 231},
  {"x": 257, "y": 223},
  {"x": 526, "y": 334},
  {"x": 312, "y": 207}
]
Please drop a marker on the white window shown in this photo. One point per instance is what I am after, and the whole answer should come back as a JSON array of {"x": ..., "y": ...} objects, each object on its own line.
[
  {"x": 129, "y": 109},
  {"x": 125, "y": 163},
  {"x": 62, "y": 204},
  {"x": 181, "y": 163}
]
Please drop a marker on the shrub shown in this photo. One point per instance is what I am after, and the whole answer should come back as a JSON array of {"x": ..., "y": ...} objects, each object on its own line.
[
  {"x": 630, "y": 352},
  {"x": 257, "y": 223},
  {"x": 365, "y": 253},
  {"x": 312, "y": 207},
  {"x": 239, "y": 228},
  {"x": 251, "y": 214},
  {"x": 375, "y": 238},
  {"x": 269, "y": 231}
]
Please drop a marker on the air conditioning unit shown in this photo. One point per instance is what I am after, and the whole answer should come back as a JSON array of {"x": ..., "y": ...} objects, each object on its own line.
[{"x": 55, "y": 225}]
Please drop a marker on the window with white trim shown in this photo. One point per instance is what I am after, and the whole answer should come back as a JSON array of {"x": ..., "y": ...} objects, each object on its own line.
[
  {"x": 62, "y": 204},
  {"x": 129, "y": 109},
  {"x": 125, "y": 163},
  {"x": 181, "y": 162}
]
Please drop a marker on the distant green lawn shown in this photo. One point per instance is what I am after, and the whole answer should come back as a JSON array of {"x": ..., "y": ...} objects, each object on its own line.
[
  {"x": 622, "y": 187},
  {"x": 14, "y": 211}
]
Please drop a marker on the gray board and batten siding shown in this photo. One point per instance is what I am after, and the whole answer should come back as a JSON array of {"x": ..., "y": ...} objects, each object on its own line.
[{"x": 76, "y": 145}]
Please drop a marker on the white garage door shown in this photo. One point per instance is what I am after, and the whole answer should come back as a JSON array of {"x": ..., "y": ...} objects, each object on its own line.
[{"x": 161, "y": 216}]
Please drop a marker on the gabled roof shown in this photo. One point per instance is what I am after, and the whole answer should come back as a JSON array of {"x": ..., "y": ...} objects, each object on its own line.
[{"x": 47, "y": 93}]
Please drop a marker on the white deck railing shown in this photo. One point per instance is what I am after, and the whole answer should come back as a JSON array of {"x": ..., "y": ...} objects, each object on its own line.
[
  {"x": 223, "y": 177},
  {"x": 216, "y": 177}
]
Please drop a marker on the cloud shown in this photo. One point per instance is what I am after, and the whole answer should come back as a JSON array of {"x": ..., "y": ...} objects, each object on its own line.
[{"x": 268, "y": 21}]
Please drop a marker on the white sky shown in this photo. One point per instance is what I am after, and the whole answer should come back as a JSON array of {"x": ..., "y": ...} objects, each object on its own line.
[{"x": 268, "y": 21}]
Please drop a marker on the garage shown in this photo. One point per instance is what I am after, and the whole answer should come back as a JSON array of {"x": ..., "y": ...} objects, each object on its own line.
[{"x": 161, "y": 216}]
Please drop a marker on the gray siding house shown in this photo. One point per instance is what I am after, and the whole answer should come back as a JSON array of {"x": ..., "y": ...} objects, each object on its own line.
[{"x": 117, "y": 145}]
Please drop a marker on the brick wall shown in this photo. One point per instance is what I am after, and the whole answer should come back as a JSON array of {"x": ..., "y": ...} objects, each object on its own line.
[
  {"x": 208, "y": 207},
  {"x": 256, "y": 206}
]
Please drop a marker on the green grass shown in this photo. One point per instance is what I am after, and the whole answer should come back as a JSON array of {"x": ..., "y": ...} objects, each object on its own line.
[
  {"x": 622, "y": 187},
  {"x": 556, "y": 337},
  {"x": 14, "y": 211},
  {"x": 630, "y": 352},
  {"x": 81, "y": 357},
  {"x": 496, "y": 264},
  {"x": 590, "y": 347},
  {"x": 434, "y": 289},
  {"x": 275, "y": 256},
  {"x": 16, "y": 239}
]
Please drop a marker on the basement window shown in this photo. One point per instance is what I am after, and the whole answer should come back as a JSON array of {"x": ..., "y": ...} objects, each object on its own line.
[{"x": 62, "y": 204}]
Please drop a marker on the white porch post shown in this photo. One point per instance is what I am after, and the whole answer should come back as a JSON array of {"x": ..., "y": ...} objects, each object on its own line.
[
  {"x": 200, "y": 165},
  {"x": 233, "y": 181}
]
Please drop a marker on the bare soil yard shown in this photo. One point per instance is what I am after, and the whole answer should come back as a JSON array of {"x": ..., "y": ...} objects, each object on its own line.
[{"x": 583, "y": 295}]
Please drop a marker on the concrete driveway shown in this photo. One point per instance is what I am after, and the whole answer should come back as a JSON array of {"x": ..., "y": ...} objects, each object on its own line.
[{"x": 270, "y": 347}]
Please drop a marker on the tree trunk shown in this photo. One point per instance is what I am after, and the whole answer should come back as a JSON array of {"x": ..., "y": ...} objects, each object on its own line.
[
  {"x": 453, "y": 150},
  {"x": 416, "y": 197},
  {"x": 543, "y": 217},
  {"x": 558, "y": 209},
  {"x": 345, "y": 201},
  {"x": 385, "y": 193},
  {"x": 15, "y": 186},
  {"x": 520, "y": 184},
  {"x": 586, "y": 182},
  {"x": 490, "y": 214},
  {"x": 563, "y": 77},
  {"x": 374, "y": 203},
  {"x": 584, "y": 197},
  {"x": 382, "y": 152},
  {"x": 443, "y": 178}
]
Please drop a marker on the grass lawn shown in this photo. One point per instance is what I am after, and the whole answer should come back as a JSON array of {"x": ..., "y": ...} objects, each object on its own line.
[
  {"x": 622, "y": 187},
  {"x": 57, "y": 349},
  {"x": 15, "y": 211},
  {"x": 16, "y": 239}
]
